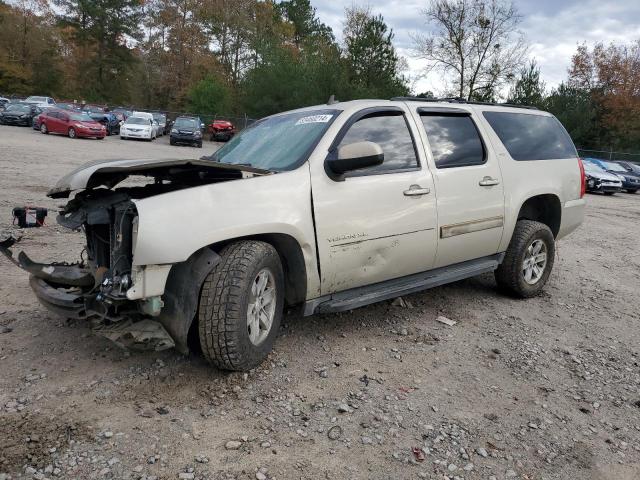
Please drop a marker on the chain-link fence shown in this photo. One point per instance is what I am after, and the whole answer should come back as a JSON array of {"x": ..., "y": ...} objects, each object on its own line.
[{"x": 609, "y": 155}]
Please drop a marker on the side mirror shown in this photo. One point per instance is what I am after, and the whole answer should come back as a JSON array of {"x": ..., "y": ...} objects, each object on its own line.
[{"x": 355, "y": 156}]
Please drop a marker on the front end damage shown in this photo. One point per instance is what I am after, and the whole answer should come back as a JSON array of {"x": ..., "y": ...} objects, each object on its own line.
[
  {"x": 95, "y": 288},
  {"x": 146, "y": 307}
]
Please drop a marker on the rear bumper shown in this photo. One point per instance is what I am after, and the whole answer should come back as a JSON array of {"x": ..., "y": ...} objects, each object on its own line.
[{"x": 572, "y": 216}]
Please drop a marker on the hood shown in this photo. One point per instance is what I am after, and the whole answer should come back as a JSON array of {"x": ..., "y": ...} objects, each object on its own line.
[
  {"x": 108, "y": 173},
  {"x": 603, "y": 176}
]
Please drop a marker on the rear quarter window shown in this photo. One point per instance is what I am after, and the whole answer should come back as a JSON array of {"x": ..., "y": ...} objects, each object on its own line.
[{"x": 530, "y": 136}]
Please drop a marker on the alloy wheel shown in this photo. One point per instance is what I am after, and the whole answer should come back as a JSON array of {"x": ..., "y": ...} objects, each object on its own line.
[
  {"x": 262, "y": 306},
  {"x": 535, "y": 262}
]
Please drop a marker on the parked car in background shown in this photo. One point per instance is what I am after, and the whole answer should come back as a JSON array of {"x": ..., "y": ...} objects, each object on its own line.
[
  {"x": 221, "y": 131},
  {"x": 3, "y": 102},
  {"x": 102, "y": 115},
  {"x": 72, "y": 124},
  {"x": 599, "y": 180},
  {"x": 161, "y": 118},
  {"x": 629, "y": 166},
  {"x": 19, "y": 114},
  {"x": 69, "y": 106},
  {"x": 36, "y": 120},
  {"x": 630, "y": 180},
  {"x": 40, "y": 101},
  {"x": 138, "y": 128},
  {"x": 122, "y": 113},
  {"x": 186, "y": 131}
]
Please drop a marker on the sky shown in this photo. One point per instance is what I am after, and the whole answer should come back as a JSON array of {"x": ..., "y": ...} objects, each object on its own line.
[{"x": 553, "y": 29}]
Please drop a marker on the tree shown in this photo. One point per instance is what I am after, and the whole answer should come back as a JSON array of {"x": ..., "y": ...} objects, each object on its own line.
[
  {"x": 476, "y": 41},
  {"x": 101, "y": 29},
  {"x": 209, "y": 96},
  {"x": 528, "y": 89},
  {"x": 611, "y": 76},
  {"x": 306, "y": 25},
  {"x": 576, "y": 111},
  {"x": 371, "y": 56}
]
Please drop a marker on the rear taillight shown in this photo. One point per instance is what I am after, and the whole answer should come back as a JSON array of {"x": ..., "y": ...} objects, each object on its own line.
[{"x": 583, "y": 179}]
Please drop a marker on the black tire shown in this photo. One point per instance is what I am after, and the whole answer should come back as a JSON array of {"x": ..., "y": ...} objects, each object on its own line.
[
  {"x": 609, "y": 193},
  {"x": 224, "y": 301},
  {"x": 72, "y": 133},
  {"x": 632, "y": 191},
  {"x": 171, "y": 142},
  {"x": 199, "y": 145},
  {"x": 510, "y": 274}
]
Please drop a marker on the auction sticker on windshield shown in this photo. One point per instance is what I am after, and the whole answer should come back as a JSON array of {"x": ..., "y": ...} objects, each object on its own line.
[{"x": 314, "y": 119}]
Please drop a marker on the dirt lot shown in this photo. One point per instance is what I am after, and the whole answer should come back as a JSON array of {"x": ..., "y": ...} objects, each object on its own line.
[{"x": 542, "y": 389}]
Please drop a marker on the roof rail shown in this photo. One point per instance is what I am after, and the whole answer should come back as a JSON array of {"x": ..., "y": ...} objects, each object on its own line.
[{"x": 459, "y": 100}]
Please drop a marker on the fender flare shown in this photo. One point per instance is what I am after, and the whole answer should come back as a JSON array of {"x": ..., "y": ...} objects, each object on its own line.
[{"x": 182, "y": 293}]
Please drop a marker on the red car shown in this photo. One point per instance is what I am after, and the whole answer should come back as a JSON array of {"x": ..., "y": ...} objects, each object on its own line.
[
  {"x": 73, "y": 124},
  {"x": 221, "y": 130}
]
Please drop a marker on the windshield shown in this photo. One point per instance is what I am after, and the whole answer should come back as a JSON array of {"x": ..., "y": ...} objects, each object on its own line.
[
  {"x": 36, "y": 99},
  {"x": 18, "y": 108},
  {"x": 137, "y": 121},
  {"x": 592, "y": 167},
  {"x": 80, "y": 117},
  {"x": 159, "y": 117},
  {"x": 277, "y": 143},
  {"x": 187, "y": 123},
  {"x": 615, "y": 167}
]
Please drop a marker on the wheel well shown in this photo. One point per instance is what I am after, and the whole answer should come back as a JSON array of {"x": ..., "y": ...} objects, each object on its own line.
[
  {"x": 544, "y": 209},
  {"x": 290, "y": 252}
]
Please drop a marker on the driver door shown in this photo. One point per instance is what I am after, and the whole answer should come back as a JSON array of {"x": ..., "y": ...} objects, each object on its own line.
[{"x": 377, "y": 223}]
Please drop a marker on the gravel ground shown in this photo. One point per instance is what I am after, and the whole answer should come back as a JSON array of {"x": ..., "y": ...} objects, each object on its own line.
[{"x": 547, "y": 388}]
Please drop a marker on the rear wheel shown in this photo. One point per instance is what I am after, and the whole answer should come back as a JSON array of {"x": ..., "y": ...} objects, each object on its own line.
[
  {"x": 528, "y": 261},
  {"x": 241, "y": 306},
  {"x": 609, "y": 193},
  {"x": 632, "y": 191},
  {"x": 43, "y": 128},
  {"x": 72, "y": 133}
]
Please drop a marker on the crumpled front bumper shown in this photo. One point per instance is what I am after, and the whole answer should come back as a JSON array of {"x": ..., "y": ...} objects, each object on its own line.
[{"x": 70, "y": 291}]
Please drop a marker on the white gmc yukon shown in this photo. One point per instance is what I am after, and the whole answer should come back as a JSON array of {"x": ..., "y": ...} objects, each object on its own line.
[{"x": 330, "y": 207}]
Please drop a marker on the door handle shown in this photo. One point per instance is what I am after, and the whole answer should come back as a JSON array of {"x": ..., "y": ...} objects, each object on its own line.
[
  {"x": 416, "y": 191},
  {"x": 488, "y": 182}
]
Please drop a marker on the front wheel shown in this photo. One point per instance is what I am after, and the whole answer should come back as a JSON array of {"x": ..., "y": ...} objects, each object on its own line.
[
  {"x": 632, "y": 191},
  {"x": 43, "y": 128},
  {"x": 241, "y": 306},
  {"x": 609, "y": 193},
  {"x": 528, "y": 261},
  {"x": 72, "y": 133}
]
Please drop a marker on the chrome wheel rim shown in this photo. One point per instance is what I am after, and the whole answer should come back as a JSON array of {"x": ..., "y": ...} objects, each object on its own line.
[
  {"x": 72, "y": 133},
  {"x": 262, "y": 306},
  {"x": 43, "y": 128},
  {"x": 535, "y": 262}
]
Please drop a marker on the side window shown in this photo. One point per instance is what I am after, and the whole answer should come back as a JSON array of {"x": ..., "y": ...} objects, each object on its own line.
[
  {"x": 531, "y": 136},
  {"x": 53, "y": 115},
  {"x": 454, "y": 140},
  {"x": 391, "y": 132},
  {"x": 64, "y": 117}
]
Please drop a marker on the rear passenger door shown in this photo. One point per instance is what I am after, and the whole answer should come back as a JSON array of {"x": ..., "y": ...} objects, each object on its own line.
[
  {"x": 53, "y": 122},
  {"x": 468, "y": 181}
]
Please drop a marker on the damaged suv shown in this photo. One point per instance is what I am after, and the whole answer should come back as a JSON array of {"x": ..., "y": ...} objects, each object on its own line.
[{"x": 330, "y": 207}]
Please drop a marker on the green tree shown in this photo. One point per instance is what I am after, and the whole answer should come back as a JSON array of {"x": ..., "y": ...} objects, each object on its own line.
[
  {"x": 529, "y": 89},
  {"x": 577, "y": 112},
  {"x": 371, "y": 56},
  {"x": 306, "y": 25},
  {"x": 101, "y": 30},
  {"x": 209, "y": 96}
]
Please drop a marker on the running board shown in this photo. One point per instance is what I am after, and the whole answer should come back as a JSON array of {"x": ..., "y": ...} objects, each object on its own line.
[{"x": 368, "y": 294}]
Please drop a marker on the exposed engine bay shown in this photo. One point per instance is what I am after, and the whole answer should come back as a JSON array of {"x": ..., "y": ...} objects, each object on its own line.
[{"x": 95, "y": 288}]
